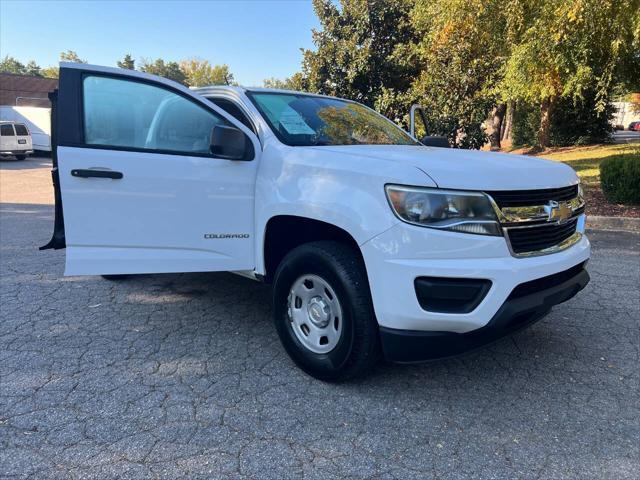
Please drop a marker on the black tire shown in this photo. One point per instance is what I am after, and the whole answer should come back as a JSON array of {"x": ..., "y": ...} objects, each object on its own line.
[
  {"x": 358, "y": 348},
  {"x": 114, "y": 278},
  {"x": 21, "y": 157}
]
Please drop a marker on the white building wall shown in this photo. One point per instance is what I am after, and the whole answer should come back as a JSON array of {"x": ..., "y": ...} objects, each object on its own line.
[{"x": 624, "y": 114}]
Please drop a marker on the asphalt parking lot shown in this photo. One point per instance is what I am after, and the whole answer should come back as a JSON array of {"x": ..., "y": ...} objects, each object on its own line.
[{"x": 183, "y": 376}]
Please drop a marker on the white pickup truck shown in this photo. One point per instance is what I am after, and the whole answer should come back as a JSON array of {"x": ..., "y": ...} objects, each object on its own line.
[{"x": 376, "y": 245}]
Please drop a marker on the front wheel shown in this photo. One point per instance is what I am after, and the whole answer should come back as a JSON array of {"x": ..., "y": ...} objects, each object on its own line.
[
  {"x": 323, "y": 311},
  {"x": 21, "y": 157}
]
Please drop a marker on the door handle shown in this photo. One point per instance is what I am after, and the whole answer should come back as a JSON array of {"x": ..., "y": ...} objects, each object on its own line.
[{"x": 86, "y": 173}]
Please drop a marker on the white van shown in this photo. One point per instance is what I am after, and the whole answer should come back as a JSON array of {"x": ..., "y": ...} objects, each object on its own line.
[
  {"x": 36, "y": 119},
  {"x": 15, "y": 139}
]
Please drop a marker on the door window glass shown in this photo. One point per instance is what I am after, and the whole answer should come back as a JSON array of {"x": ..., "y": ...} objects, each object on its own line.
[
  {"x": 130, "y": 114},
  {"x": 232, "y": 109},
  {"x": 21, "y": 129},
  {"x": 6, "y": 130}
]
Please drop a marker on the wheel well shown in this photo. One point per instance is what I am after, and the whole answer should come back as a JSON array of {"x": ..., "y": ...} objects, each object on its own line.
[{"x": 286, "y": 232}]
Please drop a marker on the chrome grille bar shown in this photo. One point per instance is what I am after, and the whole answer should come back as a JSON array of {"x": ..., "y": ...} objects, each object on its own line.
[{"x": 532, "y": 228}]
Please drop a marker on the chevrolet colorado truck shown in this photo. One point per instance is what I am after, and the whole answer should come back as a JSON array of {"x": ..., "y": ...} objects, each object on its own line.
[{"x": 375, "y": 244}]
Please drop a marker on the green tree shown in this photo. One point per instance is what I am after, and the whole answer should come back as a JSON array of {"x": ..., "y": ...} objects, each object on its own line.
[
  {"x": 32, "y": 68},
  {"x": 11, "y": 65},
  {"x": 569, "y": 48},
  {"x": 199, "y": 73},
  {"x": 460, "y": 53},
  {"x": 50, "y": 72},
  {"x": 357, "y": 55},
  {"x": 68, "y": 56},
  {"x": 170, "y": 70},
  {"x": 296, "y": 82},
  {"x": 443, "y": 54},
  {"x": 127, "y": 62},
  {"x": 466, "y": 60},
  {"x": 71, "y": 56}
]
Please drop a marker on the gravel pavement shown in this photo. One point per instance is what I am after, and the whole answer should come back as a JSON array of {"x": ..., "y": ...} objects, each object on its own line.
[{"x": 183, "y": 376}]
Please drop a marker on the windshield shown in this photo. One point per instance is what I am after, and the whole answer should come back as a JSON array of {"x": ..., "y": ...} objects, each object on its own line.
[{"x": 308, "y": 120}]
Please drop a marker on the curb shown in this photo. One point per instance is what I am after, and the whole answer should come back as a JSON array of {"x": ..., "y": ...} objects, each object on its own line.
[{"x": 625, "y": 224}]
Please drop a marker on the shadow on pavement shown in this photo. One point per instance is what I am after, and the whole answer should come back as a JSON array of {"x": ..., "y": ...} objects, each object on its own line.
[{"x": 31, "y": 162}]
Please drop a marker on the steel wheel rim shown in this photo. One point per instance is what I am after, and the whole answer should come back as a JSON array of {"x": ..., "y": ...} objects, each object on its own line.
[{"x": 315, "y": 314}]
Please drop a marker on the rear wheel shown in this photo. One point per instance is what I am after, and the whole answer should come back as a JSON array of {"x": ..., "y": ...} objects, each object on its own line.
[
  {"x": 323, "y": 311},
  {"x": 21, "y": 157}
]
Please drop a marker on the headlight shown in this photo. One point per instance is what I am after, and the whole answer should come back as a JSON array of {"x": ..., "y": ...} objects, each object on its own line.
[{"x": 469, "y": 212}]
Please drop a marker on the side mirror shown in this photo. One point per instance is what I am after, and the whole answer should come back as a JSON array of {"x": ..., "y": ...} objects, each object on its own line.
[
  {"x": 417, "y": 111},
  {"x": 229, "y": 143},
  {"x": 433, "y": 141}
]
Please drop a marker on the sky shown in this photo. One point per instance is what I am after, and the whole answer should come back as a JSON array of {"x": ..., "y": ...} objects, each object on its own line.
[{"x": 258, "y": 39}]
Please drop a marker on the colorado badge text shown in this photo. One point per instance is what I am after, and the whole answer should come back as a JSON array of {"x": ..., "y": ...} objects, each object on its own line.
[{"x": 215, "y": 236}]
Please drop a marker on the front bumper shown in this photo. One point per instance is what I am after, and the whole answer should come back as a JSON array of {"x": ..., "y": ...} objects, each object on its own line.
[
  {"x": 400, "y": 255},
  {"x": 527, "y": 303},
  {"x": 16, "y": 152}
]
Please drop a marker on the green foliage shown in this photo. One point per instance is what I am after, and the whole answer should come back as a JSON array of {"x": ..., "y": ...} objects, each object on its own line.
[
  {"x": 193, "y": 72},
  {"x": 460, "y": 58},
  {"x": 573, "y": 122},
  {"x": 127, "y": 62},
  {"x": 390, "y": 55},
  {"x": 11, "y": 65},
  {"x": 32, "y": 68},
  {"x": 569, "y": 48},
  {"x": 71, "y": 56},
  {"x": 357, "y": 49},
  {"x": 199, "y": 73},
  {"x": 68, "y": 56},
  {"x": 526, "y": 119},
  {"x": 170, "y": 70},
  {"x": 296, "y": 82},
  {"x": 580, "y": 123},
  {"x": 620, "y": 179},
  {"x": 50, "y": 72}
]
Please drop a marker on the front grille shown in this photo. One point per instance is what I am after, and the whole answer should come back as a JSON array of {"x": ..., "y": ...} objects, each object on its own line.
[
  {"x": 539, "y": 237},
  {"x": 529, "y": 198}
]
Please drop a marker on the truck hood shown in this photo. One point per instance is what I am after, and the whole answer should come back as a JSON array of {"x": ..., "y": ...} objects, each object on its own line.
[{"x": 469, "y": 169}]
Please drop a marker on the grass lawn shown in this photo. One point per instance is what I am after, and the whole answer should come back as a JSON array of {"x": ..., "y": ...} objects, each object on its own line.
[{"x": 586, "y": 162}]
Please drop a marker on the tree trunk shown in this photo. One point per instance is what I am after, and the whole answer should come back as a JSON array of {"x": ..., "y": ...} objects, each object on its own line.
[
  {"x": 544, "y": 133},
  {"x": 508, "y": 121},
  {"x": 495, "y": 130}
]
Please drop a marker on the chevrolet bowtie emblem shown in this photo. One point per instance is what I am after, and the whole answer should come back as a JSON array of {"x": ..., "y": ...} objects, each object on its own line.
[{"x": 558, "y": 211}]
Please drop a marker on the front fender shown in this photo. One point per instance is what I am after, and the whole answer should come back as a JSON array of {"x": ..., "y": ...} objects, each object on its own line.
[{"x": 343, "y": 190}]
